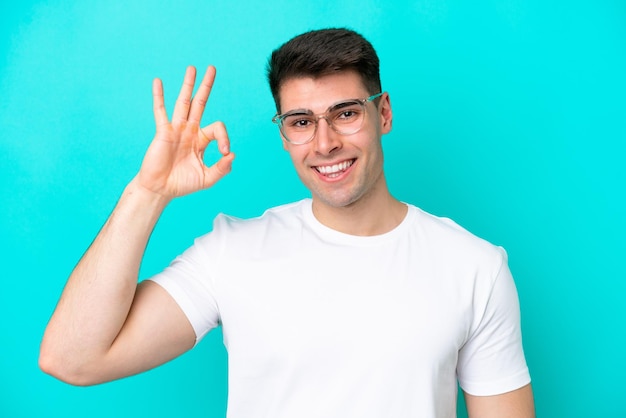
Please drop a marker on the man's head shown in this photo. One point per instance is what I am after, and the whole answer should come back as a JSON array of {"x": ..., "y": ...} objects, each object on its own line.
[
  {"x": 320, "y": 53},
  {"x": 316, "y": 79}
]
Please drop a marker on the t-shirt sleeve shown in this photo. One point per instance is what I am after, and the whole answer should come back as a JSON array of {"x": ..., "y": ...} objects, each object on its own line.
[
  {"x": 189, "y": 280},
  {"x": 492, "y": 360}
]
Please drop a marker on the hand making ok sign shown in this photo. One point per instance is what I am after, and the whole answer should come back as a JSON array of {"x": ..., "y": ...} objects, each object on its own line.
[{"x": 174, "y": 163}]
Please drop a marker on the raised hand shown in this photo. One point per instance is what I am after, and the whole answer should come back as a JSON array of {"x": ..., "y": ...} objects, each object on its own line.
[{"x": 174, "y": 163}]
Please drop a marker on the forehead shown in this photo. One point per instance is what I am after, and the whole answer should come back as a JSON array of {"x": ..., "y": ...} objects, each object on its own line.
[{"x": 320, "y": 92}]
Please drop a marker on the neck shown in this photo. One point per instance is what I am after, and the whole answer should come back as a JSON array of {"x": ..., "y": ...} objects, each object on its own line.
[{"x": 376, "y": 213}]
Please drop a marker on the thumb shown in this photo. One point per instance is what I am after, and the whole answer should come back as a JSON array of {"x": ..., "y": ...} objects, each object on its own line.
[{"x": 218, "y": 170}]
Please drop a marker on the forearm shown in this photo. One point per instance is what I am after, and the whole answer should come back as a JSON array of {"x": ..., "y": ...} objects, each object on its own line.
[
  {"x": 98, "y": 295},
  {"x": 105, "y": 326}
]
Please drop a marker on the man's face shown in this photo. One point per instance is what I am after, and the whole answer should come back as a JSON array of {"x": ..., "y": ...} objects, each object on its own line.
[{"x": 339, "y": 170}]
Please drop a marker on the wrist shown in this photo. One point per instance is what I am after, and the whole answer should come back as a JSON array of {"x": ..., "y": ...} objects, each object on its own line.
[{"x": 146, "y": 197}]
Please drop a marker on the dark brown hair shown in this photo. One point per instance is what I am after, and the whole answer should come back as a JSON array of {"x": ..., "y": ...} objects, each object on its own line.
[{"x": 323, "y": 52}]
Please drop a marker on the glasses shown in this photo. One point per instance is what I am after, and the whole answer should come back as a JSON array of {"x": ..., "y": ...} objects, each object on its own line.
[{"x": 346, "y": 118}]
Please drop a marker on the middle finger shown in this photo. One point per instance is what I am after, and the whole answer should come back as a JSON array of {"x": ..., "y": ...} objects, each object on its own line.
[
  {"x": 199, "y": 101},
  {"x": 181, "y": 110}
]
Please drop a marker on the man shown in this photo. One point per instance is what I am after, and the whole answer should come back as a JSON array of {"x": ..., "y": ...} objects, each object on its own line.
[{"x": 348, "y": 304}]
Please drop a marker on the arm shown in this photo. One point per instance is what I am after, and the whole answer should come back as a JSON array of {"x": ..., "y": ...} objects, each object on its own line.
[
  {"x": 105, "y": 326},
  {"x": 515, "y": 404}
]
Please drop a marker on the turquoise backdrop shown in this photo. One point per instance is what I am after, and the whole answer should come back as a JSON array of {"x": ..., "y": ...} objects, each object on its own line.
[{"x": 510, "y": 117}]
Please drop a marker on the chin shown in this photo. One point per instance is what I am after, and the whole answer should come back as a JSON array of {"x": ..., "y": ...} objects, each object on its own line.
[{"x": 336, "y": 201}]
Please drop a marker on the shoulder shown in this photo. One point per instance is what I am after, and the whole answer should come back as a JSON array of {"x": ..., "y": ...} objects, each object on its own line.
[
  {"x": 446, "y": 238},
  {"x": 283, "y": 216},
  {"x": 241, "y": 237}
]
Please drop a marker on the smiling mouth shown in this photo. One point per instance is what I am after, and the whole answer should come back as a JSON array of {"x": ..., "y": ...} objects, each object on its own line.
[{"x": 334, "y": 170}]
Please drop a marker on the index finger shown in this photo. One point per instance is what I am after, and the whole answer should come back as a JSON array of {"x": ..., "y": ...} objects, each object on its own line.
[
  {"x": 201, "y": 98},
  {"x": 216, "y": 132}
]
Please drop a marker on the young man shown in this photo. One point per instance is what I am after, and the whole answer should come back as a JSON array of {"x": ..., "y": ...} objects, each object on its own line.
[{"x": 348, "y": 304}]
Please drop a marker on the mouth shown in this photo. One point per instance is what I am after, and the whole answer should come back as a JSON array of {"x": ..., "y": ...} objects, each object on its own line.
[{"x": 334, "y": 170}]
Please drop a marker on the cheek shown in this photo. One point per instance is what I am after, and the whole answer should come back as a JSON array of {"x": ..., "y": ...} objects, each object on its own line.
[
  {"x": 296, "y": 155},
  {"x": 284, "y": 141},
  {"x": 375, "y": 156}
]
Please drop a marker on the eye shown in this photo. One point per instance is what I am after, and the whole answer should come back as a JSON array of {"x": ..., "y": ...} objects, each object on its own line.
[
  {"x": 346, "y": 113},
  {"x": 302, "y": 123},
  {"x": 299, "y": 122}
]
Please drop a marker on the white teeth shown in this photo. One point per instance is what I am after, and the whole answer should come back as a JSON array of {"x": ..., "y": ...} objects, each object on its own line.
[{"x": 335, "y": 168}]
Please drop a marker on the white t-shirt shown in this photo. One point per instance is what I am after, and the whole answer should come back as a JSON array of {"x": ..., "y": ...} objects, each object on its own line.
[{"x": 318, "y": 323}]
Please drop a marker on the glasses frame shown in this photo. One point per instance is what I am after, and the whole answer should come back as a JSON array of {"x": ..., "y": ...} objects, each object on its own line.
[{"x": 278, "y": 119}]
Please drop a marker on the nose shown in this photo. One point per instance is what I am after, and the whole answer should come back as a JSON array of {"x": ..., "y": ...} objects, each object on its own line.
[{"x": 326, "y": 140}]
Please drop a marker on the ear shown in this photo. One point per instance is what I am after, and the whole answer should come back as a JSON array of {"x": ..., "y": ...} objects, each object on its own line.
[{"x": 385, "y": 113}]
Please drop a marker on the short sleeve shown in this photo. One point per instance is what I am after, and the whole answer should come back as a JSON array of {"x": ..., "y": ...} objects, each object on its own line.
[
  {"x": 492, "y": 360},
  {"x": 189, "y": 280}
]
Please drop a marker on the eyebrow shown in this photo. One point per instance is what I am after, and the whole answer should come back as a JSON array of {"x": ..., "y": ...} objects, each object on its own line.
[
  {"x": 344, "y": 103},
  {"x": 337, "y": 105},
  {"x": 299, "y": 112}
]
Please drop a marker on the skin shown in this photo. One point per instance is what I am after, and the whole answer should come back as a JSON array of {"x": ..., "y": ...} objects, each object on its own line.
[
  {"x": 516, "y": 404},
  {"x": 106, "y": 327},
  {"x": 358, "y": 201}
]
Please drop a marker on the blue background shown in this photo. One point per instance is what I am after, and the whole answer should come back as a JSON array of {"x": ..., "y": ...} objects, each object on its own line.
[{"x": 509, "y": 117}]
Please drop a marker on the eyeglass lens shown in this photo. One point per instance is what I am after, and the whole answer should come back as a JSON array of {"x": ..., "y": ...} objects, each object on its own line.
[{"x": 344, "y": 118}]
